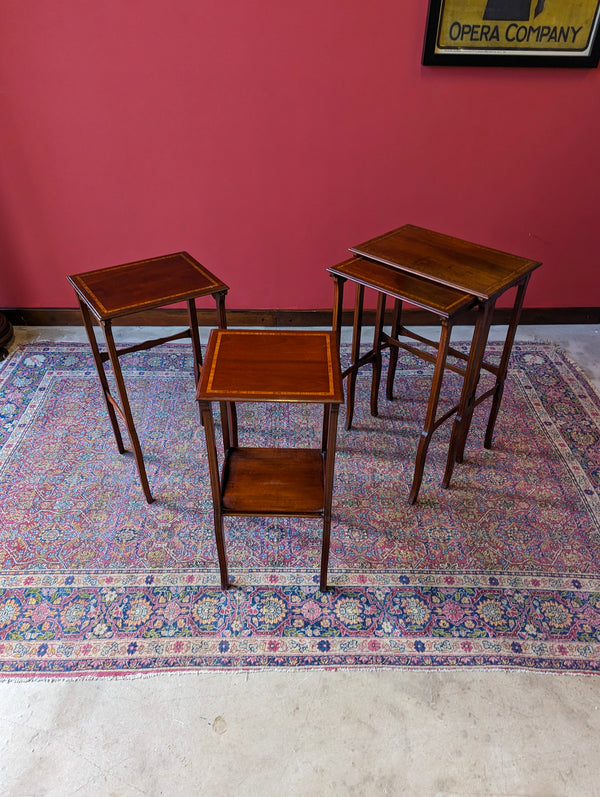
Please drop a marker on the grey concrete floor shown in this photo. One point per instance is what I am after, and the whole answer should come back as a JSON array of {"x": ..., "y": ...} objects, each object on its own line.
[{"x": 444, "y": 733}]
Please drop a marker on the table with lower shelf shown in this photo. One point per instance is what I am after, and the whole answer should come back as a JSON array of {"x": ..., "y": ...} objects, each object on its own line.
[{"x": 270, "y": 366}]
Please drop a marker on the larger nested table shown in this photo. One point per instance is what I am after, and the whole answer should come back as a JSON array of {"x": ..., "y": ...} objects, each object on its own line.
[
  {"x": 107, "y": 294},
  {"x": 446, "y": 276},
  {"x": 270, "y": 366}
]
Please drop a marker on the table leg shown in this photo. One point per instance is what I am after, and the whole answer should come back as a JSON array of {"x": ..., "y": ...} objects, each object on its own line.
[
  {"x": 195, "y": 336},
  {"x": 331, "y": 411},
  {"x": 89, "y": 328},
  {"x": 325, "y": 433},
  {"x": 221, "y": 315},
  {"x": 228, "y": 410},
  {"x": 355, "y": 354},
  {"x": 462, "y": 422},
  {"x": 228, "y": 425},
  {"x": 376, "y": 379},
  {"x": 394, "y": 333},
  {"x": 215, "y": 484},
  {"x": 466, "y": 425},
  {"x": 338, "y": 306},
  {"x": 125, "y": 410},
  {"x": 503, "y": 367},
  {"x": 430, "y": 418},
  {"x": 233, "y": 423}
]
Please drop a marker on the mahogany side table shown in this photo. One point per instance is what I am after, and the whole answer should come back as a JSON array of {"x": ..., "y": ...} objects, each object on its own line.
[
  {"x": 481, "y": 271},
  {"x": 447, "y": 304},
  {"x": 414, "y": 265},
  {"x": 110, "y": 293},
  {"x": 271, "y": 366}
]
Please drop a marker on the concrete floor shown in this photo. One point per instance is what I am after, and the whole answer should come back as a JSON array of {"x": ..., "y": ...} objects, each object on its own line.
[{"x": 444, "y": 733}]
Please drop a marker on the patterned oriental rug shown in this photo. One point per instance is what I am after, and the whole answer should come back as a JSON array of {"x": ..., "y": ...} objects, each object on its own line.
[{"x": 501, "y": 570}]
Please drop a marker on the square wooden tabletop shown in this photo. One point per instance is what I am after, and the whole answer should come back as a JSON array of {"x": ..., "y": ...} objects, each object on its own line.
[
  {"x": 271, "y": 365},
  {"x": 439, "y": 299},
  {"x": 144, "y": 284},
  {"x": 478, "y": 270}
]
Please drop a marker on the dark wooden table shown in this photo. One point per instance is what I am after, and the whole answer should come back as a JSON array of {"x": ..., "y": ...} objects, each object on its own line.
[
  {"x": 472, "y": 276},
  {"x": 270, "y": 366},
  {"x": 111, "y": 293}
]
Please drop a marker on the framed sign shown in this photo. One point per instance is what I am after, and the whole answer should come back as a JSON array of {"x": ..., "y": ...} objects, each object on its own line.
[{"x": 512, "y": 33}]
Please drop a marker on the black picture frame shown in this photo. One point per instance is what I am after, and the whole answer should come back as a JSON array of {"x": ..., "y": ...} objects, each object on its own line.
[{"x": 511, "y": 33}]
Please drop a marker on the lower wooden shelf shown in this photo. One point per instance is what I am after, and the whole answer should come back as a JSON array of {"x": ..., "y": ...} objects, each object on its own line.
[{"x": 273, "y": 481}]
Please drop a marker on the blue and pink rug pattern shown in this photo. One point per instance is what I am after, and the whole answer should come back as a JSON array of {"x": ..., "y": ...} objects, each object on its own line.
[{"x": 501, "y": 570}]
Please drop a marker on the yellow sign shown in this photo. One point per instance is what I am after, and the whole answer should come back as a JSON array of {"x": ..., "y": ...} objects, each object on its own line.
[
  {"x": 534, "y": 27},
  {"x": 518, "y": 24}
]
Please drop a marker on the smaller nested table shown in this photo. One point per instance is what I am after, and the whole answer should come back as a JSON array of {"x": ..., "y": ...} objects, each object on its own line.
[
  {"x": 447, "y": 304},
  {"x": 270, "y": 366},
  {"x": 110, "y": 293}
]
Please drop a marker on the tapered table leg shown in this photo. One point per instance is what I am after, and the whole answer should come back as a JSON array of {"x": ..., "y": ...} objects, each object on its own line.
[
  {"x": 394, "y": 333},
  {"x": 229, "y": 420},
  {"x": 338, "y": 308},
  {"x": 462, "y": 422},
  {"x": 504, "y": 360},
  {"x": 478, "y": 355},
  {"x": 331, "y": 411},
  {"x": 99, "y": 363},
  {"x": 376, "y": 378},
  {"x": 215, "y": 483},
  {"x": 195, "y": 336},
  {"x": 352, "y": 370},
  {"x": 430, "y": 418},
  {"x": 125, "y": 410}
]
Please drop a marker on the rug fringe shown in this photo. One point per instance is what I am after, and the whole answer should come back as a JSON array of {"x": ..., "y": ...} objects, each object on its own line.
[{"x": 304, "y": 670}]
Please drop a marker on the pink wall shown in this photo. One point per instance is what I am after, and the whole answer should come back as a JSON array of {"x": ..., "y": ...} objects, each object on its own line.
[{"x": 266, "y": 137}]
